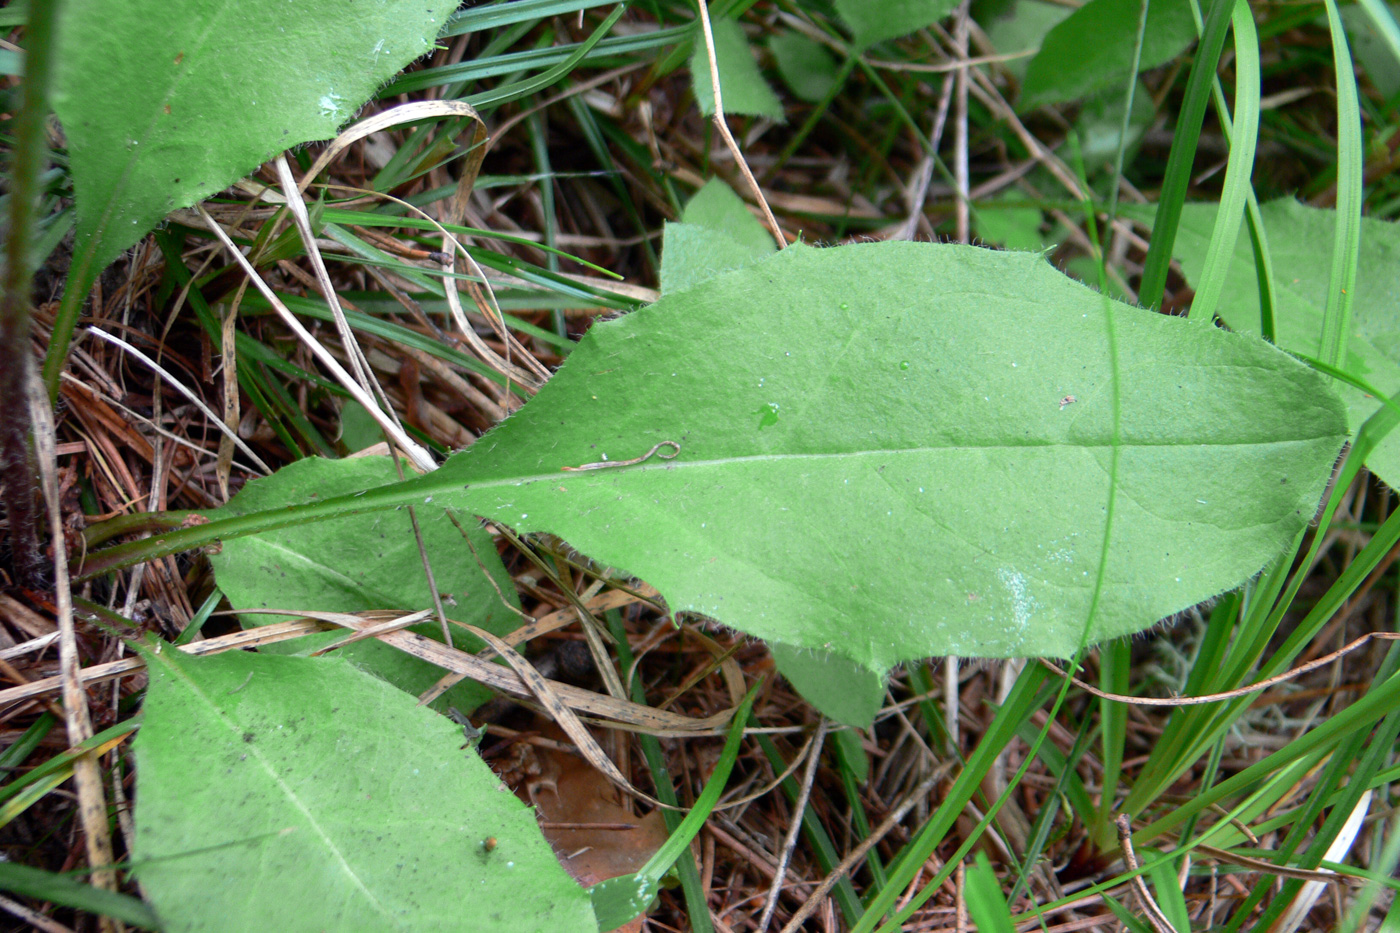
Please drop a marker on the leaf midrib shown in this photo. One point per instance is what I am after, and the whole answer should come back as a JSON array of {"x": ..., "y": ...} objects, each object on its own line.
[{"x": 235, "y": 732}]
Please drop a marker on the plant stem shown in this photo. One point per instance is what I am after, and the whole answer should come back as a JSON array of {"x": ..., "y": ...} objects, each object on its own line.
[{"x": 16, "y": 462}]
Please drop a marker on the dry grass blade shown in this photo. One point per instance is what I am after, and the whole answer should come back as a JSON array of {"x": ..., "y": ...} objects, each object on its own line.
[
  {"x": 617, "y": 713},
  {"x": 100, "y": 673},
  {"x": 169, "y": 377},
  {"x": 420, "y": 457},
  {"x": 87, "y": 769},
  {"x": 728, "y": 137},
  {"x": 1159, "y": 920},
  {"x": 358, "y": 364},
  {"x": 32, "y": 917},
  {"x": 544, "y": 692},
  {"x": 799, "y": 806},
  {"x": 534, "y": 628},
  {"x": 1311, "y": 890},
  {"x": 1298, "y": 671},
  {"x": 394, "y": 116}
]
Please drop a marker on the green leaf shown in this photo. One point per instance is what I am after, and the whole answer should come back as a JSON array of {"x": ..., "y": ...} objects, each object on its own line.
[
  {"x": 163, "y": 107},
  {"x": 898, "y": 450},
  {"x": 717, "y": 207},
  {"x": 872, "y": 21},
  {"x": 1168, "y": 890},
  {"x": 70, "y": 892},
  {"x": 985, "y": 900},
  {"x": 1092, "y": 49},
  {"x": 1296, "y": 233},
  {"x": 840, "y": 688},
  {"x": 358, "y": 429},
  {"x": 806, "y": 67},
  {"x": 365, "y": 562},
  {"x": 716, "y": 234},
  {"x": 295, "y": 794},
  {"x": 1011, "y": 227},
  {"x": 1022, "y": 29},
  {"x": 740, "y": 82},
  {"x": 906, "y": 450},
  {"x": 1371, "y": 48},
  {"x": 1100, "y": 126}
]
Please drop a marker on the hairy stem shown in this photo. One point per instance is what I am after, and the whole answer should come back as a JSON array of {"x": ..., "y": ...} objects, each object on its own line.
[{"x": 16, "y": 461}]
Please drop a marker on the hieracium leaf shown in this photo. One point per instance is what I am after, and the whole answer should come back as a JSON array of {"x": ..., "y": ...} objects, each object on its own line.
[
  {"x": 163, "y": 110},
  {"x": 891, "y": 451}
]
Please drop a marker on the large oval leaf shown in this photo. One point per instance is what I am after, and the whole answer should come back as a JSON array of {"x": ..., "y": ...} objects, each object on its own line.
[
  {"x": 298, "y": 794},
  {"x": 165, "y": 105},
  {"x": 892, "y": 451}
]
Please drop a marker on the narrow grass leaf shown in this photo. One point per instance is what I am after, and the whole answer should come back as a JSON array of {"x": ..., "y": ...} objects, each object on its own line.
[
  {"x": 569, "y": 56},
  {"x": 1384, "y": 22},
  {"x": 1244, "y": 134},
  {"x": 1126, "y": 917},
  {"x": 1341, "y": 286},
  {"x": 1166, "y": 890},
  {"x": 324, "y": 799},
  {"x": 1183, "y": 152},
  {"x": 70, "y": 892},
  {"x": 533, "y": 85},
  {"x": 618, "y": 900},
  {"x": 1026, "y": 695},
  {"x": 483, "y": 17},
  {"x": 985, "y": 900}
]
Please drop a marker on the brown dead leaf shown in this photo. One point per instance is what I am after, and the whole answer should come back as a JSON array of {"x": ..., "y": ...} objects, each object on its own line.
[{"x": 594, "y": 834}]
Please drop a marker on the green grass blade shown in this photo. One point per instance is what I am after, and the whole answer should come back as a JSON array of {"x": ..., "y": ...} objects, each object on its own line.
[
  {"x": 1361, "y": 907},
  {"x": 1384, "y": 22},
  {"x": 1243, "y": 138},
  {"x": 1336, "y": 322},
  {"x": 559, "y": 60},
  {"x": 1183, "y": 152},
  {"x": 649, "y": 875},
  {"x": 985, "y": 901},
  {"x": 1362, "y": 715},
  {"x": 1115, "y": 662},
  {"x": 482, "y": 18},
  {"x": 1025, "y": 696},
  {"x": 1346, "y": 777},
  {"x": 70, "y": 892},
  {"x": 696, "y": 904}
]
